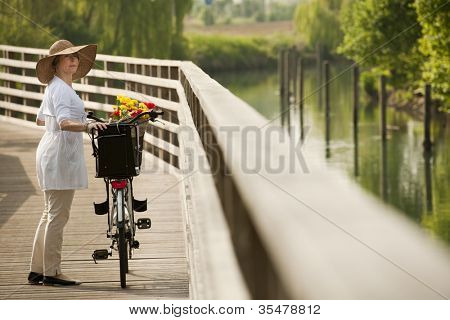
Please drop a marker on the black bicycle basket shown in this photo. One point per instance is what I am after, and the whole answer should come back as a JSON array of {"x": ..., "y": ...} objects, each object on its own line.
[{"x": 117, "y": 153}]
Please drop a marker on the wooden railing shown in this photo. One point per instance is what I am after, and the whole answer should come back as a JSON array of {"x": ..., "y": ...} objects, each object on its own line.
[
  {"x": 143, "y": 79},
  {"x": 305, "y": 234},
  {"x": 254, "y": 233},
  {"x": 214, "y": 272}
]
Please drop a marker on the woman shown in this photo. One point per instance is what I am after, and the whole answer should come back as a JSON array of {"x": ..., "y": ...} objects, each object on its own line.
[{"x": 60, "y": 162}]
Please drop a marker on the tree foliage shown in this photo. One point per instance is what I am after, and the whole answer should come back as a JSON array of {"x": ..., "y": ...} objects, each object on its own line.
[
  {"x": 138, "y": 28},
  {"x": 407, "y": 39},
  {"x": 318, "y": 23},
  {"x": 382, "y": 34},
  {"x": 434, "y": 17}
]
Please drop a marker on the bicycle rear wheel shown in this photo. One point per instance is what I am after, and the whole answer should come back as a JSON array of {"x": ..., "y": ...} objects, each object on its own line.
[
  {"x": 123, "y": 256},
  {"x": 122, "y": 241}
]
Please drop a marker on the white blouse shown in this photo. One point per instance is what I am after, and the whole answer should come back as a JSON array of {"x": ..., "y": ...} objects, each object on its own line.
[{"x": 60, "y": 163}]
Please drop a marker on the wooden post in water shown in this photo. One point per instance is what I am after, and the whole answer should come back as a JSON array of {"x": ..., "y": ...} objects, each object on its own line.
[
  {"x": 384, "y": 171},
  {"x": 428, "y": 182},
  {"x": 382, "y": 101},
  {"x": 319, "y": 73},
  {"x": 356, "y": 117},
  {"x": 427, "y": 118},
  {"x": 326, "y": 76},
  {"x": 300, "y": 95},
  {"x": 294, "y": 75},
  {"x": 286, "y": 111},
  {"x": 326, "y": 79},
  {"x": 355, "y": 95},
  {"x": 281, "y": 82},
  {"x": 280, "y": 71}
]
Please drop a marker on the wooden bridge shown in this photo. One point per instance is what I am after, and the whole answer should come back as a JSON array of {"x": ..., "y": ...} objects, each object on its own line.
[{"x": 220, "y": 230}]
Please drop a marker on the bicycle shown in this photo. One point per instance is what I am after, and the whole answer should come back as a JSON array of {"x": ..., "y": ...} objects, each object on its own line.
[{"x": 118, "y": 155}]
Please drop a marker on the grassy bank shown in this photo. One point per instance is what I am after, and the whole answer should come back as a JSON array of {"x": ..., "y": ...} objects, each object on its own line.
[{"x": 225, "y": 52}]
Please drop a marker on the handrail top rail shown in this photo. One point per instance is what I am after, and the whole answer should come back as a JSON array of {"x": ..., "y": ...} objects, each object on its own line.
[
  {"x": 100, "y": 57},
  {"x": 111, "y": 75},
  {"x": 299, "y": 228}
]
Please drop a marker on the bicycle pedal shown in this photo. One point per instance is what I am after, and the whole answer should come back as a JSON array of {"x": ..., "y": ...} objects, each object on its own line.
[
  {"x": 101, "y": 254},
  {"x": 144, "y": 223}
]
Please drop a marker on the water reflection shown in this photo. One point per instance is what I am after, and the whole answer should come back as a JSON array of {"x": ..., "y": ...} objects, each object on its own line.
[{"x": 397, "y": 171}]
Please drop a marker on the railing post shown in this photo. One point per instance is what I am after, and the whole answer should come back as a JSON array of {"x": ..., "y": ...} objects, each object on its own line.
[
  {"x": 41, "y": 87},
  {"x": 105, "y": 83},
  {"x": 24, "y": 88},
  {"x": 7, "y": 83},
  {"x": 158, "y": 74}
]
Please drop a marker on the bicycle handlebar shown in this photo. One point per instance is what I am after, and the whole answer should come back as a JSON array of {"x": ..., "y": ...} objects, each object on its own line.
[{"x": 153, "y": 115}]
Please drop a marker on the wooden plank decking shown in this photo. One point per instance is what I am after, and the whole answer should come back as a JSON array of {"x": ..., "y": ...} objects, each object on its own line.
[{"x": 159, "y": 270}]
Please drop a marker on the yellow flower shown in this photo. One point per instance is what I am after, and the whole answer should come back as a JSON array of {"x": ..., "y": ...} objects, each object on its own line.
[{"x": 121, "y": 98}]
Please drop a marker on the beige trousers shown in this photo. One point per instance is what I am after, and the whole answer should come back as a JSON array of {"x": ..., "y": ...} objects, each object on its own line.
[{"x": 46, "y": 256}]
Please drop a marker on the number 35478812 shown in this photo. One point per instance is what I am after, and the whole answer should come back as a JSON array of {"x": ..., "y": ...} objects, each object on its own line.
[{"x": 289, "y": 309}]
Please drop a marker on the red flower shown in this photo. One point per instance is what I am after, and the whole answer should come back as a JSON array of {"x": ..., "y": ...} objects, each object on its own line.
[{"x": 150, "y": 105}]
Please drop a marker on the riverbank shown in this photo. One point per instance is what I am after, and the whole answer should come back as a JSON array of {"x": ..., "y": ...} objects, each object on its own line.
[
  {"x": 414, "y": 105},
  {"x": 221, "y": 52}
]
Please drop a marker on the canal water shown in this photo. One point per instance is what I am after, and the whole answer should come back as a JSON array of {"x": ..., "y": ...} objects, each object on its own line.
[{"x": 398, "y": 173}]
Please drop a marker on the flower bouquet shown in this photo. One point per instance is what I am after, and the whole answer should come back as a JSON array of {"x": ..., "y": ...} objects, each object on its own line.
[{"x": 126, "y": 109}]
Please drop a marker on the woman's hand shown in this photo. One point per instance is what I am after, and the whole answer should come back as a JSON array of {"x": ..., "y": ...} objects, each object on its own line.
[{"x": 96, "y": 126}]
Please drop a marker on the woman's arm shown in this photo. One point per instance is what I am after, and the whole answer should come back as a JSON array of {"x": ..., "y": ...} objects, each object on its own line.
[
  {"x": 40, "y": 122},
  {"x": 69, "y": 125}
]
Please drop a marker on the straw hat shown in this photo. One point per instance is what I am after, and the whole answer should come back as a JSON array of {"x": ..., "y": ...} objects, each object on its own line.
[{"x": 45, "y": 70}]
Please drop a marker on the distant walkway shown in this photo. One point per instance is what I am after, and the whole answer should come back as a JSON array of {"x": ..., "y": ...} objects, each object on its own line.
[{"x": 159, "y": 270}]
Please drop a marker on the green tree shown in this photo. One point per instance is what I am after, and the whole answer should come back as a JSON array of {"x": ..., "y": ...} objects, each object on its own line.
[
  {"x": 180, "y": 43},
  {"x": 317, "y": 22},
  {"x": 434, "y": 17},
  {"x": 18, "y": 26},
  {"x": 138, "y": 28},
  {"x": 383, "y": 35}
]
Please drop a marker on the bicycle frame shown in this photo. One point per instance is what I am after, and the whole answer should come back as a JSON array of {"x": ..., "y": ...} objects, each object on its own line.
[{"x": 122, "y": 208}]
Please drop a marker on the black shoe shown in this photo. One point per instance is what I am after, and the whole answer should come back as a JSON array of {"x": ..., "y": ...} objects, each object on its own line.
[
  {"x": 35, "y": 278},
  {"x": 59, "y": 280}
]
